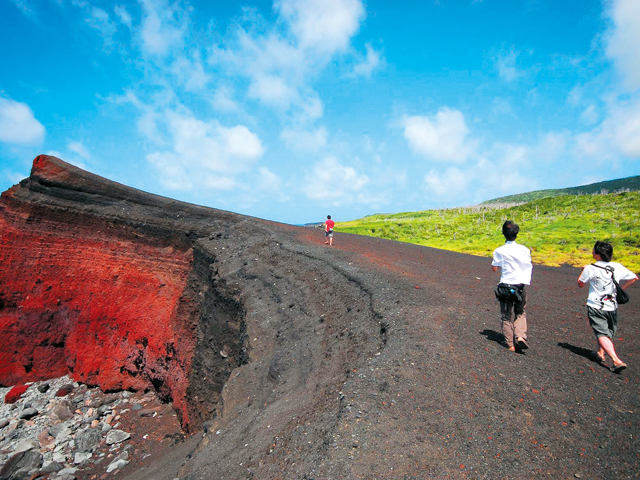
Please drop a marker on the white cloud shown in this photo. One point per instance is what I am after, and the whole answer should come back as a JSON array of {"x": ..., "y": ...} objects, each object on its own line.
[
  {"x": 162, "y": 29},
  {"x": 279, "y": 60},
  {"x": 303, "y": 140},
  {"x": 15, "y": 177},
  {"x": 480, "y": 181},
  {"x": 623, "y": 45},
  {"x": 505, "y": 62},
  {"x": 190, "y": 73},
  {"x": 199, "y": 148},
  {"x": 446, "y": 185},
  {"x": 18, "y": 125},
  {"x": 123, "y": 15},
  {"x": 23, "y": 6},
  {"x": 368, "y": 64},
  {"x": 589, "y": 115},
  {"x": 441, "y": 137},
  {"x": 79, "y": 149},
  {"x": 618, "y": 134},
  {"x": 324, "y": 25},
  {"x": 329, "y": 181},
  {"x": 99, "y": 19},
  {"x": 171, "y": 169},
  {"x": 223, "y": 100},
  {"x": 220, "y": 183},
  {"x": 270, "y": 183}
]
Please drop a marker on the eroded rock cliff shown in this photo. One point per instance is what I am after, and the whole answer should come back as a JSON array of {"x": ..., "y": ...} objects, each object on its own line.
[{"x": 109, "y": 284}]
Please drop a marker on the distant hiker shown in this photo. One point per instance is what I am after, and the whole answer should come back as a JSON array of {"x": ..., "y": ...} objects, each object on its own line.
[
  {"x": 328, "y": 230},
  {"x": 515, "y": 262},
  {"x": 602, "y": 305}
]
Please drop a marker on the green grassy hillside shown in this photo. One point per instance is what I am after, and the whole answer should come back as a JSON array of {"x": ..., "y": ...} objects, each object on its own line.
[
  {"x": 559, "y": 230},
  {"x": 610, "y": 186}
]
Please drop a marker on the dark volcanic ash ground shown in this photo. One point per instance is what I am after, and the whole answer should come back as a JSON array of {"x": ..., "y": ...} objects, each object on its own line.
[{"x": 400, "y": 374}]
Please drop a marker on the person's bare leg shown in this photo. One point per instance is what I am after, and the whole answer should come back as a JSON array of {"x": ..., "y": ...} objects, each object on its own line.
[
  {"x": 331, "y": 241},
  {"x": 606, "y": 345}
]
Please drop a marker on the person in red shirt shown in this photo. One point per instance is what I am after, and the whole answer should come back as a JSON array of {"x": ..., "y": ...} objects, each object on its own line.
[{"x": 328, "y": 230}]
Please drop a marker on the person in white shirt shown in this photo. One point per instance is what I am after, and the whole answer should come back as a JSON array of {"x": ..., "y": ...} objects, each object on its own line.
[
  {"x": 515, "y": 262},
  {"x": 602, "y": 306}
]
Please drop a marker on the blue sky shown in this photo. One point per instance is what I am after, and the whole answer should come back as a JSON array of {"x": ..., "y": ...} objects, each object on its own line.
[{"x": 294, "y": 109}]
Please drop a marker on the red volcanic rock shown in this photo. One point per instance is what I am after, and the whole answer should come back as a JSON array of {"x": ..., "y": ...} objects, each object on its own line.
[
  {"x": 15, "y": 393},
  {"x": 64, "y": 390},
  {"x": 98, "y": 282}
]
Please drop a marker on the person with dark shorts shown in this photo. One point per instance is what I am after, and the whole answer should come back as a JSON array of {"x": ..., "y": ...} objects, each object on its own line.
[
  {"x": 602, "y": 305},
  {"x": 328, "y": 231},
  {"x": 515, "y": 262}
]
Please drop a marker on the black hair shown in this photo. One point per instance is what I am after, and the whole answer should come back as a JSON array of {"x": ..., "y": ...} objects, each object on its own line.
[
  {"x": 329, "y": 217},
  {"x": 604, "y": 249},
  {"x": 510, "y": 230}
]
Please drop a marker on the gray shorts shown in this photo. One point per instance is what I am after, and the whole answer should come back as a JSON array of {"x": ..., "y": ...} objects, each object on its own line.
[
  {"x": 604, "y": 323},
  {"x": 328, "y": 233}
]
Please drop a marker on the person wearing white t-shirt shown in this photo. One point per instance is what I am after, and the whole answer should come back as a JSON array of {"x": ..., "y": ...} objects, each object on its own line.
[
  {"x": 602, "y": 306},
  {"x": 515, "y": 262}
]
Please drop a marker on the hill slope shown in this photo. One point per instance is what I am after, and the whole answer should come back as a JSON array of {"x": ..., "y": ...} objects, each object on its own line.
[
  {"x": 559, "y": 229},
  {"x": 609, "y": 186}
]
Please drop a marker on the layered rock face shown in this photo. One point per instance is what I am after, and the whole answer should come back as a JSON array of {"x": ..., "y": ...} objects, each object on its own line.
[{"x": 106, "y": 283}]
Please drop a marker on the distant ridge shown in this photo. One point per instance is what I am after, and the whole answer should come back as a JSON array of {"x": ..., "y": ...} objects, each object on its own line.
[{"x": 609, "y": 186}]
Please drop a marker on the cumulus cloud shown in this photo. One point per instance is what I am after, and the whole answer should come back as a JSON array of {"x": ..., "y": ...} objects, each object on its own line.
[
  {"x": 162, "y": 27},
  {"x": 79, "y": 149},
  {"x": 440, "y": 137},
  {"x": 325, "y": 25},
  {"x": 223, "y": 100},
  {"x": 330, "y": 181},
  {"x": 506, "y": 64},
  {"x": 448, "y": 184},
  {"x": 618, "y": 134},
  {"x": 371, "y": 61},
  {"x": 18, "y": 125},
  {"x": 123, "y": 14},
  {"x": 303, "y": 140},
  {"x": 623, "y": 45},
  {"x": 199, "y": 149},
  {"x": 271, "y": 183},
  {"x": 190, "y": 73}
]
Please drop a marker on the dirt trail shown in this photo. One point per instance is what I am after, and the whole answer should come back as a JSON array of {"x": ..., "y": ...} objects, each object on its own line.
[{"x": 422, "y": 388}]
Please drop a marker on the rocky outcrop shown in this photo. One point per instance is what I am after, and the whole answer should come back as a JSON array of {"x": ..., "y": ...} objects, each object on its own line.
[{"x": 110, "y": 285}]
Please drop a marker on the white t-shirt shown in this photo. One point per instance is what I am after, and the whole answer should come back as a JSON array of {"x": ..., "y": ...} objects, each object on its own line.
[
  {"x": 515, "y": 262},
  {"x": 601, "y": 288}
]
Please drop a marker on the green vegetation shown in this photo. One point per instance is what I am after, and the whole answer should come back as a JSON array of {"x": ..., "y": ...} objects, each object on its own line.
[
  {"x": 559, "y": 230},
  {"x": 610, "y": 186}
]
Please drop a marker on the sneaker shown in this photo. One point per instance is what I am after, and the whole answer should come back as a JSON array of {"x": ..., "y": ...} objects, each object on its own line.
[
  {"x": 522, "y": 343},
  {"x": 619, "y": 367}
]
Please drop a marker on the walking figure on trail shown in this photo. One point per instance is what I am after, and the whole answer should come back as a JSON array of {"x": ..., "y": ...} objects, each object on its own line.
[
  {"x": 328, "y": 229},
  {"x": 515, "y": 262},
  {"x": 602, "y": 302}
]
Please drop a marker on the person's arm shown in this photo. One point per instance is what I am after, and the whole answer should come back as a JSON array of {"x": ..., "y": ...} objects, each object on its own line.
[
  {"x": 627, "y": 283},
  {"x": 580, "y": 282}
]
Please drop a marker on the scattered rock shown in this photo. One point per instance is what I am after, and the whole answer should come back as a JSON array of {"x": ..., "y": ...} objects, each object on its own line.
[
  {"x": 64, "y": 390},
  {"x": 28, "y": 413},
  {"x": 117, "y": 436},
  {"x": 81, "y": 457},
  {"x": 21, "y": 464},
  {"x": 25, "y": 444},
  {"x": 89, "y": 439},
  {"x": 61, "y": 412},
  {"x": 15, "y": 393},
  {"x": 137, "y": 406},
  {"x": 46, "y": 440},
  {"x": 43, "y": 387}
]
